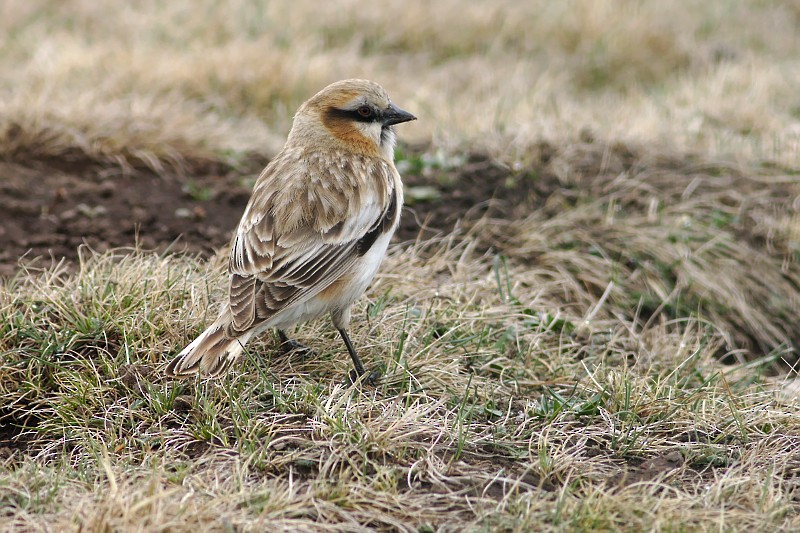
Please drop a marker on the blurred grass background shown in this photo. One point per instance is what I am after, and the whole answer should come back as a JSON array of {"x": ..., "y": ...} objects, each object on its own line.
[{"x": 163, "y": 82}]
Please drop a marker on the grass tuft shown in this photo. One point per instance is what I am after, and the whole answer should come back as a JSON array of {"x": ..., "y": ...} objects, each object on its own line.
[{"x": 487, "y": 415}]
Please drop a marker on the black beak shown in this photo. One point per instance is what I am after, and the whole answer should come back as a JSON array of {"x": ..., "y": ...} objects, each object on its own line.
[{"x": 394, "y": 115}]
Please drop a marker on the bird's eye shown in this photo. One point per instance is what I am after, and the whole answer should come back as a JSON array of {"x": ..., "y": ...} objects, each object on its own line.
[{"x": 365, "y": 111}]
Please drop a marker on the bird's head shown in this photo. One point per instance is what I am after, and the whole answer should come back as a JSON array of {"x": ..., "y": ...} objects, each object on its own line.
[{"x": 354, "y": 115}]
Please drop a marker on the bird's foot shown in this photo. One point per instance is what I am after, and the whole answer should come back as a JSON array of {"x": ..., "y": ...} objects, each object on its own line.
[
  {"x": 294, "y": 346},
  {"x": 368, "y": 378}
]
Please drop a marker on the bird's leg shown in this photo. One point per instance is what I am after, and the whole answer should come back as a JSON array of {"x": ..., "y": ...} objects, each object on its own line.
[
  {"x": 356, "y": 361},
  {"x": 289, "y": 345},
  {"x": 359, "y": 366}
]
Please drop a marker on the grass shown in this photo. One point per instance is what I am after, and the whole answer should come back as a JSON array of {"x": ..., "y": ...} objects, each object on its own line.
[
  {"x": 666, "y": 238},
  {"x": 488, "y": 415},
  {"x": 612, "y": 353},
  {"x": 186, "y": 85}
]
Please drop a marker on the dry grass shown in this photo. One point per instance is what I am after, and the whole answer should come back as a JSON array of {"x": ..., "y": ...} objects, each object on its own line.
[
  {"x": 491, "y": 414},
  {"x": 603, "y": 358},
  {"x": 662, "y": 238},
  {"x": 204, "y": 82}
]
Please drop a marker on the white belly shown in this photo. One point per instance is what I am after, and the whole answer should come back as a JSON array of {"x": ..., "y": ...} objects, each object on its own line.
[{"x": 363, "y": 272}]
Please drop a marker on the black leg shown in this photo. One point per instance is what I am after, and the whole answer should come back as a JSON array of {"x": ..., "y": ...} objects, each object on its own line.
[
  {"x": 353, "y": 355},
  {"x": 289, "y": 345},
  {"x": 360, "y": 371}
]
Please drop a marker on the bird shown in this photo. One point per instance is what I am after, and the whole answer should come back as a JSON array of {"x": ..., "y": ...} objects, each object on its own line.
[{"x": 315, "y": 229}]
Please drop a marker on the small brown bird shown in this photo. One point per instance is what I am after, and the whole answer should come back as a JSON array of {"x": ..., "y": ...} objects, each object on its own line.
[{"x": 316, "y": 227}]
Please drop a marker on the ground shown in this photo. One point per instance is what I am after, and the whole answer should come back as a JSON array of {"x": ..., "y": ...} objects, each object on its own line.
[
  {"x": 587, "y": 321},
  {"x": 48, "y": 211},
  {"x": 520, "y": 352}
]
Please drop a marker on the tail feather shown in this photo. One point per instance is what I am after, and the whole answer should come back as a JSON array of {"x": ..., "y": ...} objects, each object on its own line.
[{"x": 210, "y": 354}]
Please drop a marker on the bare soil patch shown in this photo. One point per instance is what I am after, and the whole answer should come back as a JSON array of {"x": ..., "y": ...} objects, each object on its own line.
[{"x": 49, "y": 211}]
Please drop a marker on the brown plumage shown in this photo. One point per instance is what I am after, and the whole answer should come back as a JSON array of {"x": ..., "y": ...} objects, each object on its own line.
[{"x": 315, "y": 229}]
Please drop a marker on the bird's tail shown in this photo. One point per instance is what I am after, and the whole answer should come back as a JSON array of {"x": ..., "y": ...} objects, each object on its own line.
[{"x": 210, "y": 354}]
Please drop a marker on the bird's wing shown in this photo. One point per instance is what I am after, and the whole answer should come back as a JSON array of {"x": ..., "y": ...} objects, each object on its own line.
[{"x": 304, "y": 227}]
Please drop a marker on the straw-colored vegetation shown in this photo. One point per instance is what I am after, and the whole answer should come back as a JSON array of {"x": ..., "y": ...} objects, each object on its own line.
[
  {"x": 612, "y": 355},
  {"x": 155, "y": 82}
]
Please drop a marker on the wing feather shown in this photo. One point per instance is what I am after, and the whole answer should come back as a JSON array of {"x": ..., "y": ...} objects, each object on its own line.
[
  {"x": 303, "y": 229},
  {"x": 242, "y": 301}
]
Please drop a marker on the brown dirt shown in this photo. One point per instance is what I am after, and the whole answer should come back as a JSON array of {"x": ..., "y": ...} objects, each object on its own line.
[{"x": 48, "y": 212}]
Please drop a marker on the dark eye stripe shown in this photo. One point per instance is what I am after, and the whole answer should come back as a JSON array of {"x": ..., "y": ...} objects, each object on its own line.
[{"x": 351, "y": 114}]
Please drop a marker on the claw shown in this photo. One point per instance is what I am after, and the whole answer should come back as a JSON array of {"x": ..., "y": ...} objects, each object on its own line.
[
  {"x": 288, "y": 346},
  {"x": 370, "y": 379}
]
